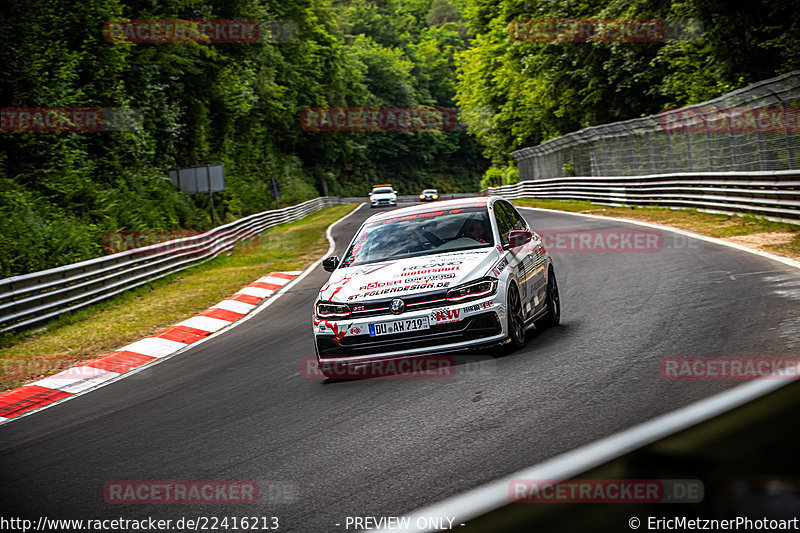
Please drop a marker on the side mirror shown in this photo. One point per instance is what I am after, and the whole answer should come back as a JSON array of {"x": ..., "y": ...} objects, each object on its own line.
[
  {"x": 331, "y": 263},
  {"x": 519, "y": 237}
]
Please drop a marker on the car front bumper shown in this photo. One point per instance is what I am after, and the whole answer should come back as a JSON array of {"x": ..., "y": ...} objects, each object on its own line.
[
  {"x": 453, "y": 328},
  {"x": 376, "y": 203}
]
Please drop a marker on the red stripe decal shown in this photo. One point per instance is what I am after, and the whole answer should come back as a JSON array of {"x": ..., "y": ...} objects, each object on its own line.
[
  {"x": 15, "y": 402},
  {"x": 183, "y": 334},
  {"x": 222, "y": 314},
  {"x": 120, "y": 362}
]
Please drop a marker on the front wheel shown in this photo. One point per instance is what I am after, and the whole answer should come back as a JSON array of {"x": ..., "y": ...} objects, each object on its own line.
[
  {"x": 516, "y": 321},
  {"x": 552, "y": 302}
]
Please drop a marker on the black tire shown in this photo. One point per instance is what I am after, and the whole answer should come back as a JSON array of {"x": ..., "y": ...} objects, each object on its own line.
[
  {"x": 516, "y": 320},
  {"x": 552, "y": 303}
]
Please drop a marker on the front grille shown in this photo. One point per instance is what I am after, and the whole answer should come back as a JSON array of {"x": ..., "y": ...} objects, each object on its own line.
[
  {"x": 473, "y": 328},
  {"x": 429, "y": 300}
]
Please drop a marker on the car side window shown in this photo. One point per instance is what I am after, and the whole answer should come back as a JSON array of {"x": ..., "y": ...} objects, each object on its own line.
[
  {"x": 505, "y": 221},
  {"x": 519, "y": 222}
]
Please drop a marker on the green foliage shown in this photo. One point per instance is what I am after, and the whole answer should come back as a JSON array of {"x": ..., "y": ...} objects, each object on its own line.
[
  {"x": 236, "y": 104},
  {"x": 498, "y": 176},
  {"x": 518, "y": 92}
]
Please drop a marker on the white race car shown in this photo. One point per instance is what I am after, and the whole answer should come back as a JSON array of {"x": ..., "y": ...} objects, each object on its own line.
[
  {"x": 382, "y": 196},
  {"x": 431, "y": 279}
]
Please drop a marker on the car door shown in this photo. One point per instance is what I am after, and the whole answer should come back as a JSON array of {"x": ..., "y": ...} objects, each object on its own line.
[
  {"x": 505, "y": 223},
  {"x": 530, "y": 264},
  {"x": 537, "y": 267}
]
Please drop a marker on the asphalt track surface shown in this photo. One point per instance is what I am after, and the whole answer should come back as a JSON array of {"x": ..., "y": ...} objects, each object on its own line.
[{"x": 238, "y": 407}]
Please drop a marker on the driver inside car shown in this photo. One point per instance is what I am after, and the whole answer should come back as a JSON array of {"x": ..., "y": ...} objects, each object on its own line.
[{"x": 476, "y": 230}]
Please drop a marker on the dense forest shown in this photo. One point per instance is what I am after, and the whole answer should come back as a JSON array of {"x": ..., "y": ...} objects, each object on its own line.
[
  {"x": 241, "y": 104},
  {"x": 516, "y": 91}
]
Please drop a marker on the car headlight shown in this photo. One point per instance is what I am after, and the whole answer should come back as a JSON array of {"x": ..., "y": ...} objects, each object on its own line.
[
  {"x": 330, "y": 309},
  {"x": 421, "y": 196},
  {"x": 435, "y": 196},
  {"x": 476, "y": 289}
]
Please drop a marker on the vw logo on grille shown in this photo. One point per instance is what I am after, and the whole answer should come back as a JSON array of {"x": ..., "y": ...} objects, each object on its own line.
[{"x": 397, "y": 306}]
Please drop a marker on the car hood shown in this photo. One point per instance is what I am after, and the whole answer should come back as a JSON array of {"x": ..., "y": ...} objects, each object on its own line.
[
  {"x": 383, "y": 195},
  {"x": 408, "y": 276}
]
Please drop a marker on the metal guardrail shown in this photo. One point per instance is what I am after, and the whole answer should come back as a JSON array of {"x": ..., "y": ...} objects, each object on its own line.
[
  {"x": 752, "y": 129},
  {"x": 736, "y": 443},
  {"x": 775, "y": 194},
  {"x": 34, "y": 298}
]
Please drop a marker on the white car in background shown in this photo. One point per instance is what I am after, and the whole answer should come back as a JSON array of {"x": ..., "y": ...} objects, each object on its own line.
[
  {"x": 434, "y": 278},
  {"x": 383, "y": 196}
]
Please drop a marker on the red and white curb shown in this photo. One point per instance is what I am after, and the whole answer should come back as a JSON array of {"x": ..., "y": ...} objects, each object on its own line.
[{"x": 93, "y": 373}]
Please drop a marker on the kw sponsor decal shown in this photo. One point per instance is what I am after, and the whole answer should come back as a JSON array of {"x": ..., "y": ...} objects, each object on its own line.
[{"x": 445, "y": 316}]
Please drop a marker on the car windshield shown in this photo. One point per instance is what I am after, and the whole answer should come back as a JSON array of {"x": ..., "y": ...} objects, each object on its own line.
[
  {"x": 424, "y": 233},
  {"x": 429, "y": 191},
  {"x": 381, "y": 190}
]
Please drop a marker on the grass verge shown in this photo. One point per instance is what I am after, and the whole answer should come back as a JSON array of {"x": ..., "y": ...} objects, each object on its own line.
[
  {"x": 102, "y": 328},
  {"x": 751, "y": 231}
]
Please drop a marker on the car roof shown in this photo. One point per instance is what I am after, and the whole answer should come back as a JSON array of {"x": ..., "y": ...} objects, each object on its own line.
[{"x": 477, "y": 201}]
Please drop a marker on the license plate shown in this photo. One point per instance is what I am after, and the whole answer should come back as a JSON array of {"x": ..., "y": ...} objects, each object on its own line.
[{"x": 398, "y": 326}]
